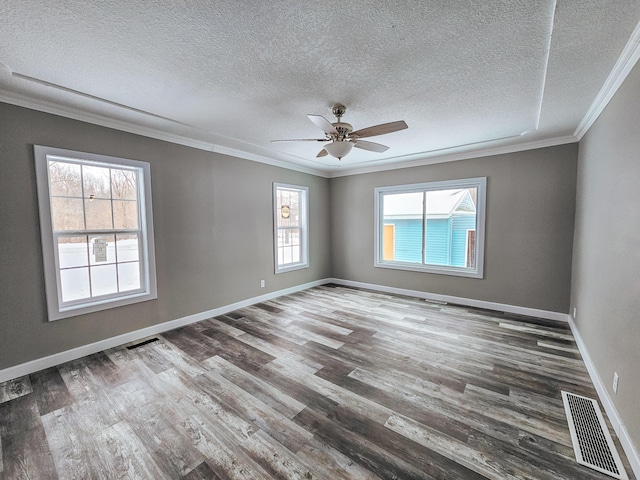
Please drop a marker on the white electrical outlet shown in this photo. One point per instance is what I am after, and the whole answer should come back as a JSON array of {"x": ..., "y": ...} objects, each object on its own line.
[
  {"x": 575, "y": 312},
  {"x": 615, "y": 382},
  {"x": 261, "y": 283}
]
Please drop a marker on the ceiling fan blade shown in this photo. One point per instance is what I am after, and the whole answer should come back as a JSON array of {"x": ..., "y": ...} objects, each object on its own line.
[
  {"x": 371, "y": 146},
  {"x": 322, "y": 153},
  {"x": 381, "y": 129},
  {"x": 322, "y": 123},
  {"x": 302, "y": 140}
]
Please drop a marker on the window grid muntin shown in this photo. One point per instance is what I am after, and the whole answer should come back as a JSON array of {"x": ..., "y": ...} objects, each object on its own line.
[
  {"x": 284, "y": 225},
  {"x": 87, "y": 234},
  {"x": 283, "y": 193},
  {"x": 144, "y": 276},
  {"x": 84, "y": 197}
]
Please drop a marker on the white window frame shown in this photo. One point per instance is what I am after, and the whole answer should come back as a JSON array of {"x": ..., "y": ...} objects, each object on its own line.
[
  {"x": 478, "y": 182},
  {"x": 304, "y": 228},
  {"x": 57, "y": 308}
]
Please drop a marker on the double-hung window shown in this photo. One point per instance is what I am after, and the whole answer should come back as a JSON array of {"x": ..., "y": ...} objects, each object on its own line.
[
  {"x": 97, "y": 232},
  {"x": 290, "y": 226},
  {"x": 435, "y": 227}
]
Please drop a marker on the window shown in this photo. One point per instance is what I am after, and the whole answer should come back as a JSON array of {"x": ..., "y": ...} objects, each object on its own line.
[
  {"x": 290, "y": 225},
  {"x": 435, "y": 227},
  {"x": 97, "y": 232}
]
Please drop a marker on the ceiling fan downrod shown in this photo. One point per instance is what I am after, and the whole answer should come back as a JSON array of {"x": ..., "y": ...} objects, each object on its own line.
[{"x": 343, "y": 128}]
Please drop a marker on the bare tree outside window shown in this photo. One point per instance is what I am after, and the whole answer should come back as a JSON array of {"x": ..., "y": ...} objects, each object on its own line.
[
  {"x": 290, "y": 221},
  {"x": 95, "y": 219},
  {"x": 96, "y": 225}
]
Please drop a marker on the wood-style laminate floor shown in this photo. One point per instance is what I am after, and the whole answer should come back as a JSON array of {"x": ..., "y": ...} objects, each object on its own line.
[{"x": 328, "y": 383}]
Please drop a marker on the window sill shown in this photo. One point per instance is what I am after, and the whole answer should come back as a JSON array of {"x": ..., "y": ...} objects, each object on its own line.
[
  {"x": 96, "y": 306},
  {"x": 439, "y": 270},
  {"x": 298, "y": 266}
]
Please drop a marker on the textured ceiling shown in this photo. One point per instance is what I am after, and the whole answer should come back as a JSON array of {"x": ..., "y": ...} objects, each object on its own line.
[{"x": 237, "y": 74}]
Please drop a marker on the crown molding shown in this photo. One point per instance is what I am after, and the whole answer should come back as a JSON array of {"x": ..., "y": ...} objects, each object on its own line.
[
  {"x": 406, "y": 161},
  {"x": 234, "y": 152},
  {"x": 83, "y": 116},
  {"x": 625, "y": 63},
  {"x": 627, "y": 60},
  {"x": 429, "y": 158},
  {"x": 76, "y": 114}
]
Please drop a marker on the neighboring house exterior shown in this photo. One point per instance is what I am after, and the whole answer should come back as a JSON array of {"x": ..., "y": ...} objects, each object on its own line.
[{"x": 450, "y": 230}]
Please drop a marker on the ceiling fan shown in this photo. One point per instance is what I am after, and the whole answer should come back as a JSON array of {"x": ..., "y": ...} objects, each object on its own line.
[{"x": 342, "y": 138}]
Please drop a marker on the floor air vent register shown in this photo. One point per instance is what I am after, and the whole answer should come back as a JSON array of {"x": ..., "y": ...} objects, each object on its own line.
[
  {"x": 141, "y": 344},
  {"x": 592, "y": 442}
]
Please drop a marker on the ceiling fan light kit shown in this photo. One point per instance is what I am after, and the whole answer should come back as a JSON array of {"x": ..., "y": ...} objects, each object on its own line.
[
  {"x": 339, "y": 149},
  {"x": 342, "y": 138}
]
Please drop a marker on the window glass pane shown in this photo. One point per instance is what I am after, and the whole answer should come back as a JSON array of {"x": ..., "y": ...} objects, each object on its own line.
[
  {"x": 128, "y": 247},
  {"x": 124, "y": 184},
  {"x": 98, "y": 214},
  {"x": 295, "y": 255},
  {"x": 284, "y": 218},
  {"x": 288, "y": 206},
  {"x": 67, "y": 214},
  {"x": 436, "y": 227},
  {"x": 290, "y": 220},
  {"x": 97, "y": 183},
  {"x": 294, "y": 237},
  {"x": 294, "y": 205},
  {"x": 125, "y": 214},
  {"x": 289, "y": 237},
  {"x": 470, "y": 261},
  {"x": 99, "y": 241},
  {"x": 402, "y": 227},
  {"x": 403, "y": 204},
  {"x": 65, "y": 179},
  {"x": 102, "y": 249},
  {"x": 450, "y": 214},
  {"x": 75, "y": 284},
  {"x": 103, "y": 280},
  {"x": 129, "y": 276},
  {"x": 73, "y": 251},
  {"x": 287, "y": 256}
]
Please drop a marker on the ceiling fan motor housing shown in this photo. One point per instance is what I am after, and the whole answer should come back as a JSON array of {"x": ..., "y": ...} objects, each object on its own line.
[{"x": 344, "y": 129}]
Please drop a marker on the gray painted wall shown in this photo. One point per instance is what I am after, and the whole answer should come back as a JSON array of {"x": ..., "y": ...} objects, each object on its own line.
[
  {"x": 606, "y": 265},
  {"x": 529, "y": 228},
  {"x": 219, "y": 207}
]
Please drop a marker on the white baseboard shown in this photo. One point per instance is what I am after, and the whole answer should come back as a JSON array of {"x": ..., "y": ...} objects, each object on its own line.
[
  {"x": 75, "y": 353},
  {"x": 603, "y": 394},
  {"x": 607, "y": 403},
  {"x": 58, "y": 358},
  {"x": 469, "y": 302}
]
